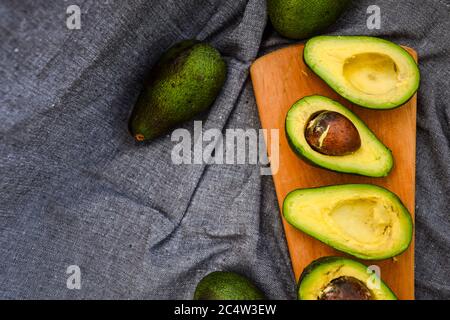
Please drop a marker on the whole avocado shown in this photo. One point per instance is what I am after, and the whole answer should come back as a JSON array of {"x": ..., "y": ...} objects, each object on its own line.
[
  {"x": 184, "y": 82},
  {"x": 223, "y": 285},
  {"x": 299, "y": 19}
]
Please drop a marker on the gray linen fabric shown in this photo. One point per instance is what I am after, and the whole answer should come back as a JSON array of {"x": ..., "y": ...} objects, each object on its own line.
[{"x": 75, "y": 189}]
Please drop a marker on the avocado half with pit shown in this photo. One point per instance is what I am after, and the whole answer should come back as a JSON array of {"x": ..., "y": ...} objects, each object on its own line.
[
  {"x": 337, "y": 278},
  {"x": 368, "y": 71},
  {"x": 363, "y": 220},
  {"x": 338, "y": 128}
]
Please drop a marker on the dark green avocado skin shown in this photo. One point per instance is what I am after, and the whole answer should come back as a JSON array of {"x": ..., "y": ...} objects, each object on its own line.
[
  {"x": 299, "y": 19},
  {"x": 222, "y": 285},
  {"x": 185, "y": 82}
]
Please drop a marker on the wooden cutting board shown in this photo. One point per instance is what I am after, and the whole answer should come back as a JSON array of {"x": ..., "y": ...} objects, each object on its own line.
[{"x": 280, "y": 79}]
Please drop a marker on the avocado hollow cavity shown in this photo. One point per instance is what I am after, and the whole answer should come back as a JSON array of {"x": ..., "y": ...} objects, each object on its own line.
[
  {"x": 364, "y": 220},
  {"x": 371, "y": 73}
]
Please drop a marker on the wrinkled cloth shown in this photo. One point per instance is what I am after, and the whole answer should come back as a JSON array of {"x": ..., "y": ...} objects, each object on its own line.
[{"x": 75, "y": 189}]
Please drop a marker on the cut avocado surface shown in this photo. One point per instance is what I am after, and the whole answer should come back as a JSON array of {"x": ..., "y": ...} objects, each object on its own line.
[
  {"x": 224, "y": 285},
  {"x": 337, "y": 278},
  {"x": 371, "y": 72},
  {"x": 371, "y": 159},
  {"x": 366, "y": 221}
]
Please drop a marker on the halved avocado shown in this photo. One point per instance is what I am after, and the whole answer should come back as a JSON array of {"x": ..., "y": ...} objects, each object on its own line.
[
  {"x": 371, "y": 159},
  {"x": 371, "y": 72},
  {"x": 364, "y": 220},
  {"x": 337, "y": 278}
]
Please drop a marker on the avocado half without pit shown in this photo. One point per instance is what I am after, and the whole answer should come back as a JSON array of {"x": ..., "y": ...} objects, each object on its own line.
[
  {"x": 329, "y": 135},
  {"x": 336, "y": 278},
  {"x": 363, "y": 220},
  {"x": 368, "y": 71}
]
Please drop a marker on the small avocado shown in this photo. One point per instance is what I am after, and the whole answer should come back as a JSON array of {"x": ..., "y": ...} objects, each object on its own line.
[
  {"x": 337, "y": 278},
  {"x": 299, "y": 19},
  {"x": 368, "y": 71},
  {"x": 223, "y": 285},
  {"x": 184, "y": 82},
  {"x": 364, "y": 220},
  {"x": 329, "y": 135}
]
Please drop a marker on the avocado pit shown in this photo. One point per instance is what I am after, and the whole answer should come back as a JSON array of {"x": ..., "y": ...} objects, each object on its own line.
[
  {"x": 345, "y": 288},
  {"x": 332, "y": 134}
]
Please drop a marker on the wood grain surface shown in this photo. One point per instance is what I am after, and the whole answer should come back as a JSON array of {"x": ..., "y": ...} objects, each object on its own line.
[{"x": 280, "y": 79}]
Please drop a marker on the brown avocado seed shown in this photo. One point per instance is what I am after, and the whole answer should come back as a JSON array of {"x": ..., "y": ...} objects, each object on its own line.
[
  {"x": 332, "y": 134},
  {"x": 345, "y": 288}
]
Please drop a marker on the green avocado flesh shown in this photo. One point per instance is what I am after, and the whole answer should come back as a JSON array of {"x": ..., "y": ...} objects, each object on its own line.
[
  {"x": 368, "y": 71},
  {"x": 298, "y": 19},
  {"x": 222, "y": 285},
  {"x": 363, "y": 220},
  {"x": 184, "y": 82},
  {"x": 336, "y": 278},
  {"x": 372, "y": 158}
]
